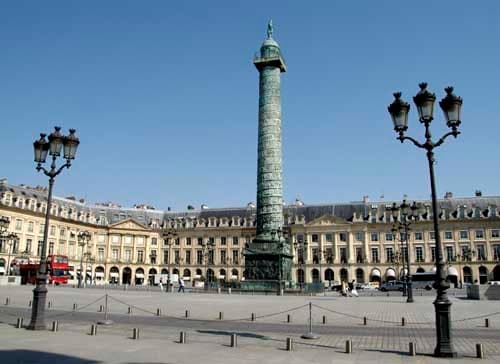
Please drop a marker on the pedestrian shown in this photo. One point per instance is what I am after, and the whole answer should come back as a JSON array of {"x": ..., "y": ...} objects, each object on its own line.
[
  {"x": 161, "y": 285},
  {"x": 181, "y": 285}
]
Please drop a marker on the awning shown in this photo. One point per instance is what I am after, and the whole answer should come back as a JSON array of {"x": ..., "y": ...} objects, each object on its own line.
[
  {"x": 2, "y": 270},
  {"x": 375, "y": 273},
  {"x": 222, "y": 276},
  {"x": 89, "y": 274},
  {"x": 234, "y": 277},
  {"x": 139, "y": 275},
  {"x": 99, "y": 274},
  {"x": 72, "y": 274},
  {"x": 114, "y": 274},
  {"x": 197, "y": 276},
  {"x": 452, "y": 271},
  {"x": 390, "y": 273}
]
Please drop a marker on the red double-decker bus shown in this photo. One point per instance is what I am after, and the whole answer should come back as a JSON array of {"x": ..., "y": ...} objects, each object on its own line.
[{"x": 57, "y": 270}]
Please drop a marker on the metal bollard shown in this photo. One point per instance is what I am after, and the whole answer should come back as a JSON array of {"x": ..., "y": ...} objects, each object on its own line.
[
  {"x": 29, "y": 304},
  {"x": 101, "y": 308},
  {"x": 324, "y": 320},
  {"x": 7, "y": 301},
  {"x": 364, "y": 320},
  {"x": 229, "y": 290},
  {"x": 158, "y": 312},
  {"x": 135, "y": 333},
  {"x": 129, "y": 310},
  {"x": 289, "y": 344},
  {"x": 479, "y": 351},
  {"x": 218, "y": 290},
  {"x": 182, "y": 337},
  {"x": 402, "y": 321},
  {"x": 49, "y": 304},
  {"x": 253, "y": 317},
  {"x": 75, "y": 307},
  {"x": 221, "y": 315},
  {"x": 93, "y": 330},
  {"x": 55, "y": 326},
  {"x": 486, "y": 323},
  {"x": 348, "y": 347},
  {"x": 234, "y": 340},
  {"x": 187, "y": 313},
  {"x": 19, "y": 323},
  {"x": 288, "y": 318},
  {"x": 412, "y": 349}
]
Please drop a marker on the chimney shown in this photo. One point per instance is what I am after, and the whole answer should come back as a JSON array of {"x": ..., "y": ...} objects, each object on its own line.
[
  {"x": 478, "y": 193},
  {"x": 366, "y": 199},
  {"x": 448, "y": 195}
]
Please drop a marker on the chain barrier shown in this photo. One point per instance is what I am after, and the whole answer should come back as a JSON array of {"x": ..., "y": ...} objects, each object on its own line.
[{"x": 76, "y": 310}]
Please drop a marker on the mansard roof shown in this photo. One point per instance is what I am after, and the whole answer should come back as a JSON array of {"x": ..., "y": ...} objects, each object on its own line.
[{"x": 352, "y": 211}]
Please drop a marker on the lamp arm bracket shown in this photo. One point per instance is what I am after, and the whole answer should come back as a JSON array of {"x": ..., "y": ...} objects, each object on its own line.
[
  {"x": 414, "y": 141},
  {"x": 443, "y": 138}
]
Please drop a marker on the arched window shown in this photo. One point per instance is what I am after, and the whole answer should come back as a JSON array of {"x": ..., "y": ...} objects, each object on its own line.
[
  {"x": 329, "y": 276},
  {"x": 467, "y": 275},
  {"x": 483, "y": 275},
  {"x": 315, "y": 275},
  {"x": 344, "y": 275},
  {"x": 360, "y": 275}
]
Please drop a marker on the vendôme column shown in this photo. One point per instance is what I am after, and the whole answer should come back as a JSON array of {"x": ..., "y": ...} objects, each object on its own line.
[{"x": 267, "y": 258}]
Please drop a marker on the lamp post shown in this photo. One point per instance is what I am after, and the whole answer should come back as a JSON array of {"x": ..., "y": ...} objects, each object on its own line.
[
  {"x": 10, "y": 238},
  {"x": 408, "y": 213},
  {"x": 56, "y": 142},
  {"x": 83, "y": 241},
  {"x": 302, "y": 246},
  {"x": 451, "y": 106},
  {"x": 207, "y": 246},
  {"x": 400, "y": 256},
  {"x": 168, "y": 236},
  {"x": 466, "y": 256}
]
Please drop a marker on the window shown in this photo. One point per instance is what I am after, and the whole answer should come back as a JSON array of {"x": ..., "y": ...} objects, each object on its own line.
[
  {"x": 51, "y": 248},
  {"x": 28, "y": 246},
  {"x": 128, "y": 255},
  {"x": 177, "y": 241},
  {"x": 188, "y": 241},
  {"x": 496, "y": 252},
  {"x": 235, "y": 240},
  {"x": 100, "y": 254},
  {"x": 177, "y": 256},
  {"x": 200, "y": 241},
  {"x": 115, "y": 239},
  {"x": 19, "y": 224},
  {"x": 62, "y": 232},
  {"x": 114, "y": 254},
  {"x": 481, "y": 252},
  {"x": 374, "y": 236},
  {"x": 448, "y": 235},
  {"x": 299, "y": 238},
  {"x": 343, "y": 255},
  {"x": 199, "y": 257},
  {"x": 343, "y": 237},
  {"x": 42, "y": 227},
  {"x": 329, "y": 237},
  {"x": 433, "y": 253},
  {"x": 419, "y": 254},
  {"x": 223, "y": 257},
  {"x": 128, "y": 240},
  {"x": 165, "y": 256},
  {"x": 30, "y": 226},
  {"x": 188, "y": 256},
  {"x": 315, "y": 255},
  {"x": 375, "y": 258},
  {"x": 388, "y": 236},
  {"x": 52, "y": 230},
  {"x": 360, "y": 236},
  {"x": 389, "y": 253},
  {"x": 464, "y": 235},
  {"x": 404, "y": 252},
  {"x": 140, "y": 256},
  {"x": 235, "y": 257},
  {"x": 359, "y": 255},
  {"x": 329, "y": 255},
  {"x": 449, "y": 254},
  {"x": 315, "y": 238},
  {"x": 60, "y": 249},
  {"x": 432, "y": 235},
  {"x": 480, "y": 234},
  {"x": 495, "y": 233},
  {"x": 419, "y": 236},
  {"x": 223, "y": 240},
  {"x": 71, "y": 250}
]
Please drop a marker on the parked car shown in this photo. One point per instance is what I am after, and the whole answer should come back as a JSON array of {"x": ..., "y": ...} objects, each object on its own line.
[
  {"x": 494, "y": 283},
  {"x": 392, "y": 286},
  {"x": 367, "y": 287}
]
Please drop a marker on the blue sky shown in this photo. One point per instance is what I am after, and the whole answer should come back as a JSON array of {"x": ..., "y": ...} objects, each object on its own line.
[{"x": 164, "y": 95}]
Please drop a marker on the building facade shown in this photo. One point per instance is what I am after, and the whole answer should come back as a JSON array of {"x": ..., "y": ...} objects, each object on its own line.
[{"x": 331, "y": 242}]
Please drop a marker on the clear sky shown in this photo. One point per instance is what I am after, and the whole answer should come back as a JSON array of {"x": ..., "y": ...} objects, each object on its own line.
[{"x": 164, "y": 94}]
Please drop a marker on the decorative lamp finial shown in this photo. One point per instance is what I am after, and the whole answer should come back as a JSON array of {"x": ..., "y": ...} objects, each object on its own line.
[{"x": 270, "y": 29}]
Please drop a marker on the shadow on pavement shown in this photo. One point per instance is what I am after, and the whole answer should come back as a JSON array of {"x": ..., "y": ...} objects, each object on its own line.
[
  {"x": 40, "y": 357},
  {"x": 228, "y": 333}
]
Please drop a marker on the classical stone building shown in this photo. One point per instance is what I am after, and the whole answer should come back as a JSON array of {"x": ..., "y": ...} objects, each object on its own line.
[{"x": 345, "y": 241}]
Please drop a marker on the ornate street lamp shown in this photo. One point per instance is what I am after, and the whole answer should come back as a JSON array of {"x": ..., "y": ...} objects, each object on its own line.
[
  {"x": 302, "y": 246},
  {"x": 207, "y": 247},
  {"x": 56, "y": 142},
  {"x": 451, "y": 106},
  {"x": 169, "y": 236},
  {"x": 84, "y": 238},
  {"x": 10, "y": 238}
]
